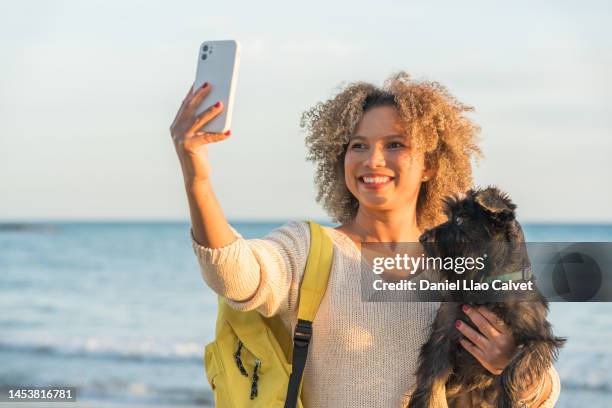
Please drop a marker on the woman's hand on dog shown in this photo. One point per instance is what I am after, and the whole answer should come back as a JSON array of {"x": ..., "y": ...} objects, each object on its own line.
[
  {"x": 494, "y": 347},
  {"x": 493, "y": 344}
]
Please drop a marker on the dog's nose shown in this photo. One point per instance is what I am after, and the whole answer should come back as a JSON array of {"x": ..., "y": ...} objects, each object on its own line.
[{"x": 424, "y": 237}]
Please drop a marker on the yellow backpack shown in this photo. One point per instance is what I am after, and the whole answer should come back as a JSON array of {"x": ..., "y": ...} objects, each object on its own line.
[{"x": 252, "y": 362}]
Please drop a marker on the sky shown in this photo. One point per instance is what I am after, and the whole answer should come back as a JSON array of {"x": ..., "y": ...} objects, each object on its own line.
[{"x": 88, "y": 90}]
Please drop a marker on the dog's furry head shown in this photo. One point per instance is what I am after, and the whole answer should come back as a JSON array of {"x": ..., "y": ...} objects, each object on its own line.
[{"x": 475, "y": 220}]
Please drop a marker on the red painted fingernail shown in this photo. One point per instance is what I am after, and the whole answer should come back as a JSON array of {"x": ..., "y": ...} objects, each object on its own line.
[
  {"x": 204, "y": 85},
  {"x": 458, "y": 323},
  {"x": 465, "y": 308},
  {"x": 229, "y": 132},
  {"x": 217, "y": 104}
]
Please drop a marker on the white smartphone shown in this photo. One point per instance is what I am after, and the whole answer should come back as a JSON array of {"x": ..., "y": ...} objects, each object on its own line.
[{"x": 218, "y": 65}]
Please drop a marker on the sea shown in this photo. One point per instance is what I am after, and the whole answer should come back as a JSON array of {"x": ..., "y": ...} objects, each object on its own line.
[{"x": 120, "y": 312}]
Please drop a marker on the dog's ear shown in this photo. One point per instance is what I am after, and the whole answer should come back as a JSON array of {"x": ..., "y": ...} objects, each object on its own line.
[
  {"x": 495, "y": 202},
  {"x": 514, "y": 232}
]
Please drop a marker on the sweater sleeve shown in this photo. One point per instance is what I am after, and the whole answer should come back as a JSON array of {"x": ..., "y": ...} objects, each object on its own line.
[
  {"x": 258, "y": 274},
  {"x": 556, "y": 389}
]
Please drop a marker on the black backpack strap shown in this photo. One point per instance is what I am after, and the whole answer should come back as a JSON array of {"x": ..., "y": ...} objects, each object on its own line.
[{"x": 301, "y": 341}]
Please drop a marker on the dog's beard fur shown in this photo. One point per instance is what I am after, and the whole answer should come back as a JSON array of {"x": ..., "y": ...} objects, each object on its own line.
[{"x": 476, "y": 219}]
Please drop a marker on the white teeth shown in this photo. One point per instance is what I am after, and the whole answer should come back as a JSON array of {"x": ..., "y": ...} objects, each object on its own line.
[{"x": 375, "y": 180}]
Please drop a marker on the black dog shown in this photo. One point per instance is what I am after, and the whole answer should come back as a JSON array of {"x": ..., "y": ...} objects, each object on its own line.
[{"x": 479, "y": 220}]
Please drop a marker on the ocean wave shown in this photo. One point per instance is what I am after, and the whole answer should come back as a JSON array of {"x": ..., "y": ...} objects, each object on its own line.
[
  {"x": 112, "y": 349},
  {"x": 581, "y": 386},
  {"x": 585, "y": 370},
  {"x": 136, "y": 391},
  {"x": 13, "y": 323}
]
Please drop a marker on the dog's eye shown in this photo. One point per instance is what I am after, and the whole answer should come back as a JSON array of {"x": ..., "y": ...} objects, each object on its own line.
[{"x": 458, "y": 220}]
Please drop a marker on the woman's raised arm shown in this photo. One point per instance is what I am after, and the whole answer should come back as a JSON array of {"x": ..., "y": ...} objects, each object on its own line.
[{"x": 258, "y": 274}]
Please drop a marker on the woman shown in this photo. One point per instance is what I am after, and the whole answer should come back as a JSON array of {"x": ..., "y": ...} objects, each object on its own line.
[{"x": 385, "y": 158}]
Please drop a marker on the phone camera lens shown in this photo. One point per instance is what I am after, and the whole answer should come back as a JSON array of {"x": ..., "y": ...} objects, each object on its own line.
[
  {"x": 204, "y": 56},
  {"x": 205, "y": 48}
]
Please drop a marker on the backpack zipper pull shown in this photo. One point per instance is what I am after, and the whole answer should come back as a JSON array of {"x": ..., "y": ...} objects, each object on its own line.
[
  {"x": 239, "y": 360},
  {"x": 255, "y": 379}
]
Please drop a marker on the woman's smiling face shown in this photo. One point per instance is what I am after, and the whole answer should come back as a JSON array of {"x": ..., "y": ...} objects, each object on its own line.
[{"x": 381, "y": 170}]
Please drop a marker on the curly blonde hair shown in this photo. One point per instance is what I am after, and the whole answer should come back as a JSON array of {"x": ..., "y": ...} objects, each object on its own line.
[{"x": 433, "y": 118}]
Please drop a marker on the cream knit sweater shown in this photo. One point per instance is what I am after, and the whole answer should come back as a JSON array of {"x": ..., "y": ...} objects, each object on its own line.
[{"x": 363, "y": 354}]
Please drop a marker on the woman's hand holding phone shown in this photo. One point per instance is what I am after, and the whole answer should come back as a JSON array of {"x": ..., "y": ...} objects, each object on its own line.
[
  {"x": 194, "y": 128},
  {"x": 190, "y": 140}
]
